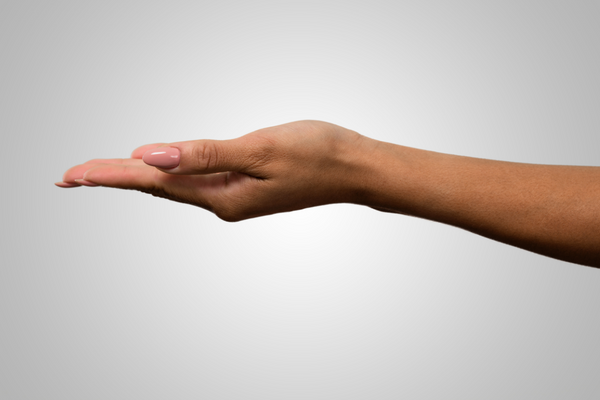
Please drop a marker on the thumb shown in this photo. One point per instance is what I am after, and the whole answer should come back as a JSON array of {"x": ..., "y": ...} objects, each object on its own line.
[{"x": 199, "y": 156}]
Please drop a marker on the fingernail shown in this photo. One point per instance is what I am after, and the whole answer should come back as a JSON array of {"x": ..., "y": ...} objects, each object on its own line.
[
  {"x": 66, "y": 185},
  {"x": 85, "y": 183},
  {"x": 162, "y": 157}
]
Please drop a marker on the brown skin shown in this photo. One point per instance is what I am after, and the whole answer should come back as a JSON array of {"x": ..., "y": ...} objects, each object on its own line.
[{"x": 550, "y": 210}]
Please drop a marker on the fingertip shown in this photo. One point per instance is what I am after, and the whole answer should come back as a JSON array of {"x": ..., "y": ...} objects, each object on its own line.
[
  {"x": 88, "y": 175},
  {"x": 66, "y": 185}
]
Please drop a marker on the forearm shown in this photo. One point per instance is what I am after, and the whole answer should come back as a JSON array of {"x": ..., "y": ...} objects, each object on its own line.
[{"x": 547, "y": 209}]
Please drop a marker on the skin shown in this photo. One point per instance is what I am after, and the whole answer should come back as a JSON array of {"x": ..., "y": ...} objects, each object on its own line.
[{"x": 548, "y": 209}]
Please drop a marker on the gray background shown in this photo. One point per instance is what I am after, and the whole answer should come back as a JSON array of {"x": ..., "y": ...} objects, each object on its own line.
[{"x": 108, "y": 294}]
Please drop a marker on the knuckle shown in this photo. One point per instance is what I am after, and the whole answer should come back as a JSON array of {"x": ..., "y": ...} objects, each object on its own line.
[
  {"x": 205, "y": 155},
  {"x": 266, "y": 140},
  {"x": 263, "y": 148}
]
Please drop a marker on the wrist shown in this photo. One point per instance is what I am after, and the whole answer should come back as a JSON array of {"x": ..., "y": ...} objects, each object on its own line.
[{"x": 387, "y": 175}]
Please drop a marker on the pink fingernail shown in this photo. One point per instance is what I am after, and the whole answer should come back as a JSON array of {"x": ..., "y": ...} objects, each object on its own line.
[
  {"x": 162, "y": 157},
  {"x": 85, "y": 183},
  {"x": 66, "y": 185}
]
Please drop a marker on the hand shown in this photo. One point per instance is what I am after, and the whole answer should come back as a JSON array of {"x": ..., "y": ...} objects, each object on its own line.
[{"x": 282, "y": 168}]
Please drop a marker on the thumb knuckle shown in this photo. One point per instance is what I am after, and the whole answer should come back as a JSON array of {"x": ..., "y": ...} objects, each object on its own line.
[{"x": 206, "y": 155}]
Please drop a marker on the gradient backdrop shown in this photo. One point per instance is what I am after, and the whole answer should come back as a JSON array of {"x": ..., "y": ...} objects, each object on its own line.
[{"x": 109, "y": 294}]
